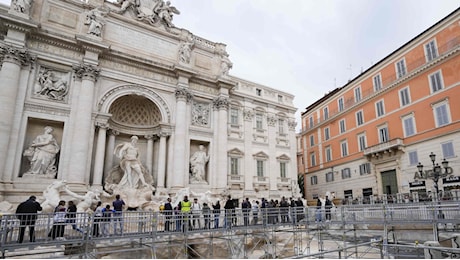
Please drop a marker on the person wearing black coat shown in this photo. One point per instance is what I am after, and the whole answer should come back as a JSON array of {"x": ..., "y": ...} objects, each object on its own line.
[
  {"x": 168, "y": 209},
  {"x": 27, "y": 214}
]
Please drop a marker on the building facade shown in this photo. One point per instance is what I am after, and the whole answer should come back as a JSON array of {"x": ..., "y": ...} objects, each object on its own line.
[
  {"x": 367, "y": 137},
  {"x": 81, "y": 78}
]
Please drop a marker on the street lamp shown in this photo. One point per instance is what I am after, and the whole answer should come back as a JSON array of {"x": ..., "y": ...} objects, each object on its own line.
[{"x": 435, "y": 173}]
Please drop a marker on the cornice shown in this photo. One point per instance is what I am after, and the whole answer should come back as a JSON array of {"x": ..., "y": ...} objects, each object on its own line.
[
  {"x": 47, "y": 109},
  {"x": 18, "y": 23}
]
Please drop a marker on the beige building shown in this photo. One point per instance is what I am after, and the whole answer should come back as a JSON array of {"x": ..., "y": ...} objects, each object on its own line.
[{"x": 79, "y": 79}]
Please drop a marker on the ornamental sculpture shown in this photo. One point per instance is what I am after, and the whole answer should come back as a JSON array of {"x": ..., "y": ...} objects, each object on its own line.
[
  {"x": 96, "y": 21},
  {"x": 51, "y": 86},
  {"x": 42, "y": 155},
  {"x": 200, "y": 114},
  {"x": 155, "y": 12}
]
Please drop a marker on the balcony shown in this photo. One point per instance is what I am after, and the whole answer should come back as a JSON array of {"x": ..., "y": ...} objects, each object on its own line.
[
  {"x": 260, "y": 183},
  {"x": 236, "y": 181},
  {"x": 392, "y": 146},
  {"x": 283, "y": 183}
]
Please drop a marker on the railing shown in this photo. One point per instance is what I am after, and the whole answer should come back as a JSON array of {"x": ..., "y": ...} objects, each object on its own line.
[{"x": 394, "y": 143}]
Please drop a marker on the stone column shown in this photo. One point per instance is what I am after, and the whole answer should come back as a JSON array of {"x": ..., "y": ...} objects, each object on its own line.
[
  {"x": 109, "y": 153},
  {"x": 100, "y": 152},
  {"x": 13, "y": 59},
  {"x": 162, "y": 161},
  {"x": 183, "y": 96},
  {"x": 82, "y": 132},
  {"x": 149, "y": 159},
  {"x": 221, "y": 105}
]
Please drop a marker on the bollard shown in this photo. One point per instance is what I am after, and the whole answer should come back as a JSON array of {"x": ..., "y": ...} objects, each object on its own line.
[{"x": 432, "y": 253}]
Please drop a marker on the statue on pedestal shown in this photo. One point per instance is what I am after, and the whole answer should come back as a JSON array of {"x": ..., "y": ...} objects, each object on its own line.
[
  {"x": 198, "y": 165},
  {"x": 42, "y": 155}
]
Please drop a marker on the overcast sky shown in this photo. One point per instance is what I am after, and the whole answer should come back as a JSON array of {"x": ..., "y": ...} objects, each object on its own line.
[{"x": 307, "y": 47}]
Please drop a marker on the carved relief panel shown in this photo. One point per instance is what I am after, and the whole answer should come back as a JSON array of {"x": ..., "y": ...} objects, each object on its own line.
[
  {"x": 51, "y": 84},
  {"x": 201, "y": 114}
]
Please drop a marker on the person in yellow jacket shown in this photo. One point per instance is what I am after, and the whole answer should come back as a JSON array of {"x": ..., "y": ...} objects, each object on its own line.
[{"x": 185, "y": 207}]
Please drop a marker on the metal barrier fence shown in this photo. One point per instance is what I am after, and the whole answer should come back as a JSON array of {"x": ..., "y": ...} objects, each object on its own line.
[{"x": 86, "y": 227}]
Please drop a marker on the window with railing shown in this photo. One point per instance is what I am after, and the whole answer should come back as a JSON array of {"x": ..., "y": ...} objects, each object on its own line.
[{"x": 383, "y": 134}]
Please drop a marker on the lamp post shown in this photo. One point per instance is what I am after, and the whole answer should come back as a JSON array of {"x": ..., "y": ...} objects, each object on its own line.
[{"x": 434, "y": 174}]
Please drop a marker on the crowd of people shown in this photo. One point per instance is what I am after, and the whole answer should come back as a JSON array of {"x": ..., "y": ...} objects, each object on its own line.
[{"x": 187, "y": 215}]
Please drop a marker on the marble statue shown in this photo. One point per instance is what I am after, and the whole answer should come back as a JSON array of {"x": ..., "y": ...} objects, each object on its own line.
[
  {"x": 42, "y": 154},
  {"x": 132, "y": 167},
  {"x": 198, "y": 162},
  {"x": 21, "y": 6},
  {"x": 51, "y": 86},
  {"x": 125, "y": 4},
  {"x": 185, "y": 52},
  {"x": 86, "y": 201},
  {"x": 165, "y": 12},
  {"x": 96, "y": 21},
  {"x": 52, "y": 195},
  {"x": 226, "y": 64}
]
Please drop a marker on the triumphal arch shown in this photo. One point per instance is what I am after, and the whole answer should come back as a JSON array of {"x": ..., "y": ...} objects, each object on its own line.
[{"x": 114, "y": 97}]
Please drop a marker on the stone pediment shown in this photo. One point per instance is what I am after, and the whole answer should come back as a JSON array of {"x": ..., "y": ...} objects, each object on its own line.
[
  {"x": 236, "y": 152},
  {"x": 283, "y": 157},
  {"x": 260, "y": 155}
]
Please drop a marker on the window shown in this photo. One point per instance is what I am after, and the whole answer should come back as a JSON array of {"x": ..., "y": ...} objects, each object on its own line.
[
  {"x": 312, "y": 140},
  {"x": 340, "y": 104},
  {"x": 346, "y": 173},
  {"x": 234, "y": 166},
  {"x": 281, "y": 126},
  {"x": 329, "y": 176},
  {"x": 441, "y": 114},
  {"x": 313, "y": 159},
  {"x": 280, "y": 98},
  {"x": 310, "y": 120},
  {"x": 364, "y": 168},
  {"x": 377, "y": 83},
  {"x": 342, "y": 126},
  {"x": 326, "y": 133},
  {"x": 328, "y": 151},
  {"x": 234, "y": 116},
  {"x": 344, "y": 148},
  {"x": 314, "y": 180},
  {"x": 259, "y": 120},
  {"x": 357, "y": 94},
  {"x": 260, "y": 168},
  {"x": 413, "y": 158},
  {"x": 401, "y": 68},
  {"x": 383, "y": 134},
  {"x": 283, "y": 169},
  {"x": 404, "y": 97},
  {"x": 258, "y": 92},
  {"x": 380, "y": 108},
  {"x": 359, "y": 118},
  {"x": 409, "y": 125},
  {"x": 436, "y": 82},
  {"x": 325, "y": 113},
  {"x": 362, "y": 142},
  {"x": 348, "y": 194},
  {"x": 430, "y": 51},
  {"x": 448, "y": 150}
]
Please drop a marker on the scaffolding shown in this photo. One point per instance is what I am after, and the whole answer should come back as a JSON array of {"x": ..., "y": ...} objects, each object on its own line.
[{"x": 355, "y": 231}]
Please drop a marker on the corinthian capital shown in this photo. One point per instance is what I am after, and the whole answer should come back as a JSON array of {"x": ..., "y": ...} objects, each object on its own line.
[
  {"x": 220, "y": 103},
  {"x": 183, "y": 93},
  {"x": 86, "y": 71},
  {"x": 19, "y": 56}
]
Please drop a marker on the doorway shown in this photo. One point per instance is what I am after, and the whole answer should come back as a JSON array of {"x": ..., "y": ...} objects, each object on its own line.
[{"x": 389, "y": 182}]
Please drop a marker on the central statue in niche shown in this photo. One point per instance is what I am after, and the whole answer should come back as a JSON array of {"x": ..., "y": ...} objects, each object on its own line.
[
  {"x": 130, "y": 179},
  {"x": 198, "y": 165}
]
